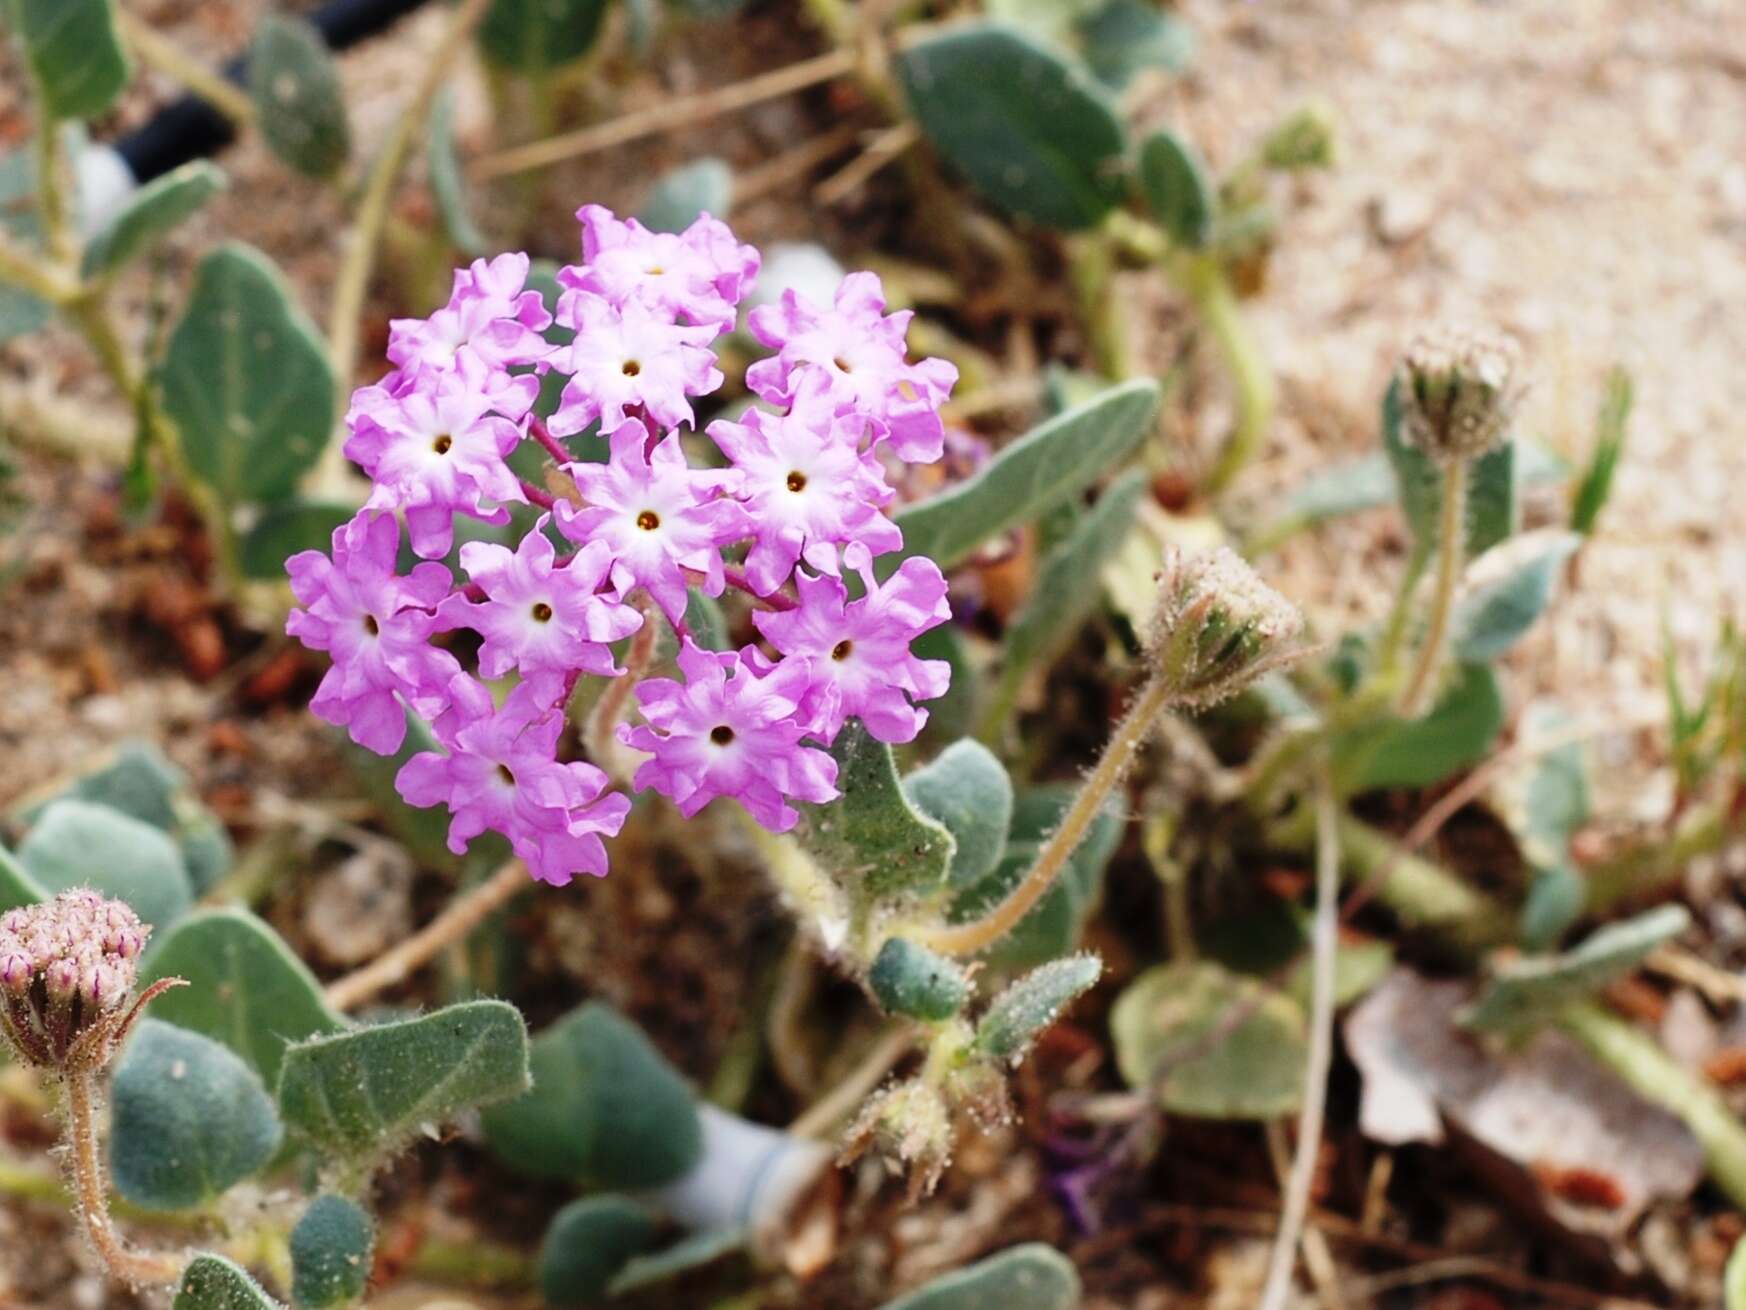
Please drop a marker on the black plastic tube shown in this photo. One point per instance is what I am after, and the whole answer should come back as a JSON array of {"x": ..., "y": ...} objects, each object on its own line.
[{"x": 189, "y": 128}]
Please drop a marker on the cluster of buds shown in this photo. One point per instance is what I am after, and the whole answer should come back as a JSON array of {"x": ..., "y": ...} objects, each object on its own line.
[
  {"x": 1459, "y": 391},
  {"x": 67, "y": 971},
  {"x": 1218, "y": 627},
  {"x": 792, "y": 508}
]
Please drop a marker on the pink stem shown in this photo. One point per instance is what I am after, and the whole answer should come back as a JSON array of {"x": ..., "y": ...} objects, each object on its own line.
[
  {"x": 776, "y": 600},
  {"x": 544, "y": 499},
  {"x": 539, "y": 432}
]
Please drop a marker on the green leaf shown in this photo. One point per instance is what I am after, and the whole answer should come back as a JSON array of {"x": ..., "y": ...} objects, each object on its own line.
[
  {"x": 1123, "y": 38},
  {"x": 1264, "y": 941},
  {"x": 1172, "y": 1021},
  {"x": 873, "y": 840},
  {"x": 74, "y": 53},
  {"x": 967, "y": 789},
  {"x": 17, "y": 887},
  {"x": 1025, "y": 126},
  {"x": 20, "y": 312},
  {"x": 284, "y": 529},
  {"x": 707, "y": 623},
  {"x": 693, "y": 1252},
  {"x": 190, "y": 1119},
  {"x": 150, "y": 214},
  {"x": 331, "y": 1250},
  {"x": 1343, "y": 488},
  {"x": 359, "y": 1094},
  {"x": 1458, "y": 732},
  {"x": 447, "y": 182},
  {"x": 213, "y": 1283},
  {"x": 246, "y": 989},
  {"x": 1177, "y": 190},
  {"x": 588, "y": 1242},
  {"x": 77, "y": 843},
  {"x": 605, "y": 1110},
  {"x": 1046, "y": 467},
  {"x": 703, "y": 186},
  {"x": 911, "y": 980},
  {"x": 1067, "y": 586},
  {"x": 1609, "y": 445},
  {"x": 1052, "y": 927},
  {"x": 1532, "y": 989},
  {"x": 299, "y": 103},
  {"x": 1519, "y": 575},
  {"x": 1021, "y": 1013},
  {"x": 1028, "y": 1277},
  {"x": 1556, "y": 898},
  {"x": 536, "y": 36},
  {"x": 1494, "y": 511},
  {"x": 1734, "y": 1278},
  {"x": 247, "y": 380}
]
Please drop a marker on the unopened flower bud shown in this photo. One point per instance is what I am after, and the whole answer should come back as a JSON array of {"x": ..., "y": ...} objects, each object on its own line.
[
  {"x": 1458, "y": 391},
  {"x": 910, "y": 1125},
  {"x": 1218, "y": 627},
  {"x": 84, "y": 950},
  {"x": 1303, "y": 140}
]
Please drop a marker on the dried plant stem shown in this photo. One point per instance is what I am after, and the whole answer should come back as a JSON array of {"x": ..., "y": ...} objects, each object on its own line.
[
  {"x": 683, "y": 111},
  {"x": 1124, "y": 746},
  {"x": 822, "y": 1117},
  {"x": 353, "y": 278},
  {"x": 159, "y": 52},
  {"x": 1449, "y": 552},
  {"x": 1324, "y": 937},
  {"x": 126, "y": 1265},
  {"x": 601, "y": 737},
  {"x": 463, "y": 914}
]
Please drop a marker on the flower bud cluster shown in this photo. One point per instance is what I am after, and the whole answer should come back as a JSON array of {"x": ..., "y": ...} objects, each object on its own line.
[
  {"x": 67, "y": 971},
  {"x": 1459, "y": 391},
  {"x": 796, "y": 496},
  {"x": 1217, "y": 626}
]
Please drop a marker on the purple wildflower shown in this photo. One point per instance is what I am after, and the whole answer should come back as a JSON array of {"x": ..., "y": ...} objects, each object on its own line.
[
  {"x": 857, "y": 652},
  {"x": 730, "y": 730},
  {"x": 502, "y": 774},
  {"x": 628, "y": 359},
  {"x": 490, "y": 314},
  {"x": 695, "y": 276},
  {"x": 659, "y": 517},
  {"x": 376, "y": 626}
]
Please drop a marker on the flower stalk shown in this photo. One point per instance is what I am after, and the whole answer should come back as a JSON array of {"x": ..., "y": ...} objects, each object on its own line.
[{"x": 1450, "y": 533}]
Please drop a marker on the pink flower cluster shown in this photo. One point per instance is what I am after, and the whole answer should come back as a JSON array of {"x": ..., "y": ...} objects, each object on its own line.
[{"x": 796, "y": 494}]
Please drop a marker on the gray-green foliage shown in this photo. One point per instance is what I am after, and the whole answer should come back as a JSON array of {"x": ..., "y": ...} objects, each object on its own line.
[
  {"x": 283, "y": 530},
  {"x": 587, "y": 1244},
  {"x": 1534, "y": 988},
  {"x": 1497, "y": 613},
  {"x": 189, "y": 1119},
  {"x": 17, "y": 887},
  {"x": 692, "y": 1251},
  {"x": 247, "y": 380},
  {"x": 1457, "y": 732},
  {"x": 874, "y": 840},
  {"x": 21, "y": 312},
  {"x": 966, "y": 789},
  {"x": 605, "y": 1109},
  {"x": 447, "y": 182},
  {"x": 298, "y": 102},
  {"x": 331, "y": 1247},
  {"x": 78, "y": 843},
  {"x": 149, "y": 214},
  {"x": 1546, "y": 802},
  {"x": 359, "y": 1094},
  {"x": 1177, "y": 189},
  {"x": 211, "y": 1282},
  {"x": 702, "y": 186},
  {"x": 74, "y": 53},
  {"x": 1067, "y": 586},
  {"x": 1121, "y": 39},
  {"x": 1053, "y": 925},
  {"x": 1493, "y": 511},
  {"x": 1046, "y": 467},
  {"x": 1027, "y": 127},
  {"x": 1030, "y": 1004},
  {"x": 536, "y": 36},
  {"x": 1213, "y": 1044},
  {"x": 913, "y": 981},
  {"x": 246, "y": 989},
  {"x": 1028, "y": 1277}
]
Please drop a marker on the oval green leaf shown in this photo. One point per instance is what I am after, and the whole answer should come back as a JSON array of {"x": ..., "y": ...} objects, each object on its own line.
[
  {"x": 298, "y": 101},
  {"x": 77, "y": 843}
]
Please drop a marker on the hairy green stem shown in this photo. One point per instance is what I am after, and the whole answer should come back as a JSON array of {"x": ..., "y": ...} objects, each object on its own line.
[
  {"x": 126, "y": 1265},
  {"x": 159, "y": 52},
  {"x": 1215, "y": 301},
  {"x": 1648, "y": 867},
  {"x": 1451, "y": 531},
  {"x": 51, "y": 200},
  {"x": 1118, "y": 756}
]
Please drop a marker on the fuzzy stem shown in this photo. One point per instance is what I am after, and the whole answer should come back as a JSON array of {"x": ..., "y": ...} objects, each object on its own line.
[
  {"x": 550, "y": 444},
  {"x": 1325, "y": 941},
  {"x": 538, "y": 495},
  {"x": 1636, "y": 1058},
  {"x": 159, "y": 52},
  {"x": 25, "y": 268},
  {"x": 1124, "y": 745},
  {"x": 133, "y": 1268},
  {"x": 601, "y": 736},
  {"x": 51, "y": 201},
  {"x": 466, "y": 912},
  {"x": 776, "y": 600},
  {"x": 1449, "y": 552},
  {"x": 1216, "y": 303},
  {"x": 354, "y": 273}
]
